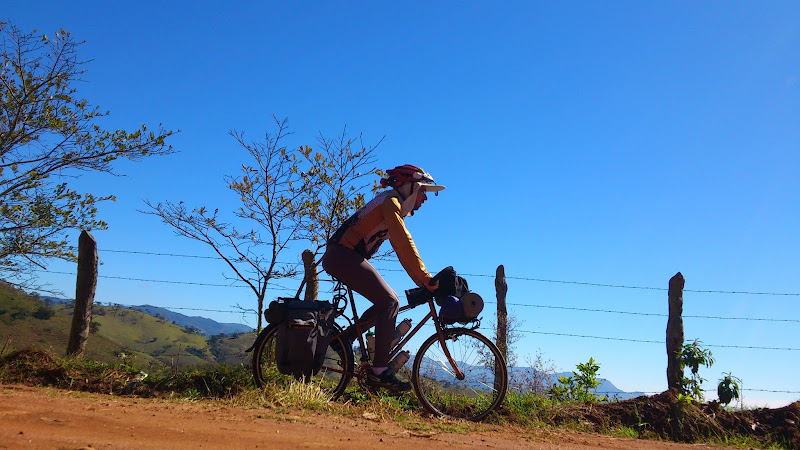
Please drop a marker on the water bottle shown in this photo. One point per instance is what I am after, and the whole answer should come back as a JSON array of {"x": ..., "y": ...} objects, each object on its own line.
[
  {"x": 399, "y": 361},
  {"x": 400, "y": 331},
  {"x": 371, "y": 344}
]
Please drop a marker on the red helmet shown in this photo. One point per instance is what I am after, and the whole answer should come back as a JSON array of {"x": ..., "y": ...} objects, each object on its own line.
[{"x": 407, "y": 173}]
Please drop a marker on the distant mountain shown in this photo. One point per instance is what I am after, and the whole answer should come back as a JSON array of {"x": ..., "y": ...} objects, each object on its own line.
[
  {"x": 521, "y": 377},
  {"x": 202, "y": 325},
  {"x": 606, "y": 388}
]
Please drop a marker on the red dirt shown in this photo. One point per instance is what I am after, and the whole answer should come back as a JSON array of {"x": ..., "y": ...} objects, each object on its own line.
[{"x": 52, "y": 418}]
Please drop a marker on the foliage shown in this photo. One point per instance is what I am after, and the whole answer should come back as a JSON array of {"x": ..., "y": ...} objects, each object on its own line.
[
  {"x": 728, "y": 388},
  {"x": 44, "y": 312},
  {"x": 286, "y": 196},
  {"x": 220, "y": 381},
  {"x": 47, "y": 134},
  {"x": 693, "y": 355},
  {"x": 536, "y": 380},
  {"x": 579, "y": 386},
  {"x": 665, "y": 416},
  {"x": 511, "y": 327}
]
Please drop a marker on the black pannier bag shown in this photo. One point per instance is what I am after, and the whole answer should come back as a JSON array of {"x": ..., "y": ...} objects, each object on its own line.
[{"x": 304, "y": 332}]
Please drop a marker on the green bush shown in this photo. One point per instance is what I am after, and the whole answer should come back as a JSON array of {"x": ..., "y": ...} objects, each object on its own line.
[
  {"x": 579, "y": 386},
  {"x": 44, "y": 312}
]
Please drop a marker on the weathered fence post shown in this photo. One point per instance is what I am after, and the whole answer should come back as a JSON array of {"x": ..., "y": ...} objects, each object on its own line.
[
  {"x": 502, "y": 319},
  {"x": 85, "y": 287},
  {"x": 675, "y": 331},
  {"x": 311, "y": 276}
]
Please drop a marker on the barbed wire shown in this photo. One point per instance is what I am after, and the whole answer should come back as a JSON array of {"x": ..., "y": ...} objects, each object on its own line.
[
  {"x": 246, "y": 356},
  {"x": 608, "y": 338},
  {"x": 643, "y": 341},
  {"x": 633, "y": 313},
  {"x": 521, "y": 278},
  {"x": 623, "y": 286},
  {"x": 176, "y": 255},
  {"x": 190, "y": 283},
  {"x": 570, "y": 308},
  {"x": 279, "y": 288}
]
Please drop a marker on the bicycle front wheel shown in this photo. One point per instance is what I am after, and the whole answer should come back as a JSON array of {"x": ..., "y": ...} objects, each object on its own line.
[
  {"x": 332, "y": 378},
  {"x": 441, "y": 392}
]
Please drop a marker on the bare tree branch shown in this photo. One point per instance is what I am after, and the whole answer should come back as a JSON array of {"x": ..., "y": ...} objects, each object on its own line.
[{"x": 287, "y": 197}]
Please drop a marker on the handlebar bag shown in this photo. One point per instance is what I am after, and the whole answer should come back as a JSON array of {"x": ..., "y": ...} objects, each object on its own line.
[{"x": 450, "y": 284}]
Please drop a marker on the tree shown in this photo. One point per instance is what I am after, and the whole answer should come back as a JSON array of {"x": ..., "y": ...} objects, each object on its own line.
[
  {"x": 693, "y": 355},
  {"x": 49, "y": 134},
  {"x": 728, "y": 388},
  {"x": 286, "y": 196},
  {"x": 580, "y": 385}
]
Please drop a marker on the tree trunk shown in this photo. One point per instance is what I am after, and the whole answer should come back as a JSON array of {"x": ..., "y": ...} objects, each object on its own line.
[
  {"x": 675, "y": 331},
  {"x": 85, "y": 288},
  {"x": 260, "y": 313},
  {"x": 502, "y": 319},
  {"x": 311, "y": 276}
]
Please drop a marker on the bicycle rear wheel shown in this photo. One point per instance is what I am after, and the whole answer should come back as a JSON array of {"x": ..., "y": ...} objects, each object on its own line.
[
  {"x": 332, "y": 378},
  {"x": 485, "y": 375}
]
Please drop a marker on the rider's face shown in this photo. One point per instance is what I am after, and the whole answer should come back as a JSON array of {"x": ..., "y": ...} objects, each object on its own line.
[{"x": 421, "y": 197}]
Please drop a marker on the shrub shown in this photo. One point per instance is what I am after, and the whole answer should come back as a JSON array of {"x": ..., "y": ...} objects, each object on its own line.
[
  {"x": 693, "y": 356},
  {"x": 579, "y": 386}
]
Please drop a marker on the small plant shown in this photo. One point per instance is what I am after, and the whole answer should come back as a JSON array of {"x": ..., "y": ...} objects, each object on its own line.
[
  {"x": 579, "y": 386},
  {"x": 693, "y": 356},
  {"x": 728, "y": 389},
  {"x": 192, "y": 394}
]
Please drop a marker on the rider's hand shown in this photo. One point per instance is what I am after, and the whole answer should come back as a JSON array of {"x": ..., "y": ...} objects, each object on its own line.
[{"x": 432, "y": 285}]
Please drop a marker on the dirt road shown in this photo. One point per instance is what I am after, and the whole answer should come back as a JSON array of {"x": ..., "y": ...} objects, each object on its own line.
[{"x": 51, "y": 418}]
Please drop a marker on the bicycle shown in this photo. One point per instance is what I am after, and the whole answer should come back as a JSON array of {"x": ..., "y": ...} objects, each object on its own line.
[{"x": 457, "y": 372}]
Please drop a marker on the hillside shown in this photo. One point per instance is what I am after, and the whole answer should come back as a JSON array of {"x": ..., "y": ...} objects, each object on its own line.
[
  {"x": 119, "y": 334},
  {"x": 203, "y": 325},
  {"x": 149, "y": 337},
  {"x": 140, "y": 333},
  {"x": 26, "y": 322}
]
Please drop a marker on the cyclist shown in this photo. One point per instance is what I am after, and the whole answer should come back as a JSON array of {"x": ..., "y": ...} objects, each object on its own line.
[{"x": 359, "y": 237}]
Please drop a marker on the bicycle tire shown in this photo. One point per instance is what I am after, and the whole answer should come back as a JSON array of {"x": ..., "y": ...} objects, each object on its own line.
[
  {"x": 333, "y": 377},
  {"x": 442, "y": 393}
]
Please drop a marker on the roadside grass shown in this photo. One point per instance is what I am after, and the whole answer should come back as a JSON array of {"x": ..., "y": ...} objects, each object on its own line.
[{"x": 233, "y": 385}]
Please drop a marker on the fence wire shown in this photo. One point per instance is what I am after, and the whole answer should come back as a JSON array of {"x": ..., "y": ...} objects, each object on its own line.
[{"x": 238, "y": 284}]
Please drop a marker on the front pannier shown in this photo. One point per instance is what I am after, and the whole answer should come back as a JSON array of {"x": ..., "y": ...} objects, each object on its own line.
[{"x": 303, "y": 335}]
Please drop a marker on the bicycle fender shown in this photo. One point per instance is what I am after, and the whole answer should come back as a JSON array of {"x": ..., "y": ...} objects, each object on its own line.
[{"x": 261, "y": 337}]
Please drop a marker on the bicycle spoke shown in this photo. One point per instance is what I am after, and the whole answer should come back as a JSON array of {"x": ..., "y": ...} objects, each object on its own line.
[
  {"x": 332, "y": 377},
  {"x": 472, "y": 397}
]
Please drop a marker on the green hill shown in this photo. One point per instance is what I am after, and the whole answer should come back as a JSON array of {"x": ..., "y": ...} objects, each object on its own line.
[
  {"x": 27, "y": 322},
  {"x": 119, "y": 334},
  {"x": 230, "y": 349}
]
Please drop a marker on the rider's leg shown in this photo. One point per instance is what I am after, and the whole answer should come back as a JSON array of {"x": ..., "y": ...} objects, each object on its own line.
[{"x": 356, "y": 272}]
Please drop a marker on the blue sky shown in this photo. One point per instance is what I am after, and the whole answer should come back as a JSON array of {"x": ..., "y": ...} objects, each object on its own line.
[{"x": 593, "y": 142}]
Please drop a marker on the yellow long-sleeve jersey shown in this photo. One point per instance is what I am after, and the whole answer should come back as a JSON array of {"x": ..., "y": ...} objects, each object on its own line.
[{"x": 381, "y": 218}]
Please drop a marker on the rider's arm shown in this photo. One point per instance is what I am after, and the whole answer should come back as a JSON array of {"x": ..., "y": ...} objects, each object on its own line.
[{"x": 402, "y": 242}]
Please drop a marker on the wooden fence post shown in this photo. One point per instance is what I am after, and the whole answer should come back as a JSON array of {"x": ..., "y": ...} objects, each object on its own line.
[
  {"x": 502, "y": 319},
  {"x": 85, "y": 287},
  {"x": 675, "y": 331},
  {"x": 311, "y": 276}
]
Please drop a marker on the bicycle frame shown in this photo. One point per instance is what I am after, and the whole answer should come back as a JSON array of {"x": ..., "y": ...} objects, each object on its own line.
[{"x": 366, "y": 357}]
